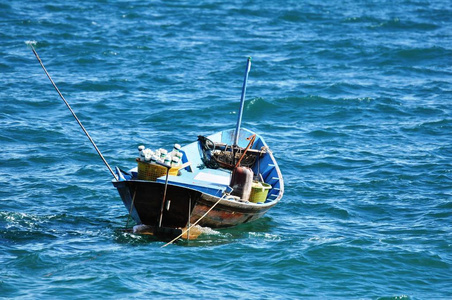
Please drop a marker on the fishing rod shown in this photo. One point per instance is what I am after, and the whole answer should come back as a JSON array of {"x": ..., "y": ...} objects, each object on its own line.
[{"x": 73, "y": 113}]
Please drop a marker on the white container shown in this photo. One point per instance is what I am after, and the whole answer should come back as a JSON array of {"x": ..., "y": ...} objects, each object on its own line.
[
  {"x": 179, "y": 155},
  {"x": 140, "y": 152},
  {"x": 175, "y": 161},
  {"x": 147, "y": 156},
  {"x": 163, "y": 153}
]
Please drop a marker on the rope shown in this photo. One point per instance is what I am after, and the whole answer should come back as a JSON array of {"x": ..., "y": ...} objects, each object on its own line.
[
  {"x": 194, "y": 224},
  {"x": 131, "y": 207},
  {"x": 251, "y": 139}
]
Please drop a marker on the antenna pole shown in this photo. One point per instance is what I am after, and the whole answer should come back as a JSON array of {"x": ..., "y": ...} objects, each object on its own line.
[{"x": 242, "y": 102}]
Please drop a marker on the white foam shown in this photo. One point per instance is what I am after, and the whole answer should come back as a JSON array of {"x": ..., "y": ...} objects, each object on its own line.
[{"x": 207, "y": 230}]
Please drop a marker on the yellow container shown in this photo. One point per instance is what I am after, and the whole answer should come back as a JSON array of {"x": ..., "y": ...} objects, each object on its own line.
[
  {"x": 150, "y": 171},
  {"x": 259, "y": 191}
]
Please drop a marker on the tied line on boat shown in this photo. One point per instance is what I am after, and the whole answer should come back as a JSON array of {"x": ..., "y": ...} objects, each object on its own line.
[
  {"x": 73, "y": 113},
  {"x": 196, "y": 223}
]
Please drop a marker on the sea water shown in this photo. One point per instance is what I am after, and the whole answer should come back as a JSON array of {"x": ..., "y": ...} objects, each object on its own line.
[{"x": 353, "y": 98}]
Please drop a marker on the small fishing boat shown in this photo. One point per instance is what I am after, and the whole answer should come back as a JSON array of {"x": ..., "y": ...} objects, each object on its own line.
[
  {"x": 220, "y": 180},
  {"x": 207, "y": 181}
]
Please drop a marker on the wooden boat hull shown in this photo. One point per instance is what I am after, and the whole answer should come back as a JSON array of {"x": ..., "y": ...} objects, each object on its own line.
[
  {"x": 143, "y": 199},
  {"x": 227, "y": 213}
]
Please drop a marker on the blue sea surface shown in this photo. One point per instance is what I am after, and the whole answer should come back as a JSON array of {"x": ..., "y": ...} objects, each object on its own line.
[{"x": 353, "y": 98}]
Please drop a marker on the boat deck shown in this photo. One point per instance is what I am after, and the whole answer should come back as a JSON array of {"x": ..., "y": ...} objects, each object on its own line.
[
  {"x": 215, "y": 182},
  {"x": 210, "y": 181}
]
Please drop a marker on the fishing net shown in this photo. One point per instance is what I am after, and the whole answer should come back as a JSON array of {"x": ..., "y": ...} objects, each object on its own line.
[{"x": 217, "y": 155}]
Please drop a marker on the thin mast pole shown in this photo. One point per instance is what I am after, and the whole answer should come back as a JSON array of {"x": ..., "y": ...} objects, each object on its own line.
[
  {"x": 73, "y": 113},
  {"x": 242, "y": 102}
]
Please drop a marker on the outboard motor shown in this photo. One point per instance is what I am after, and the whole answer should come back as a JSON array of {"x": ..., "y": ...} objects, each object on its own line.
[{"x": 241, "y": 182}]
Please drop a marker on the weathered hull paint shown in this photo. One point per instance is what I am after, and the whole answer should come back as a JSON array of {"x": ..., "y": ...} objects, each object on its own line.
[
  {"x": 226, "y": 213},
  {"x": 146, "y": 197}
]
